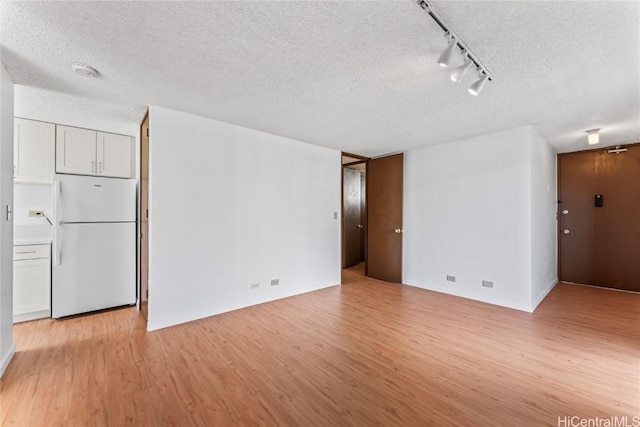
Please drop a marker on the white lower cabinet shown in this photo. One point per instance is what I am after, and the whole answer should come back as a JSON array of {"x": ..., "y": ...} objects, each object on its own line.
[{"x": 31, "y": 282}]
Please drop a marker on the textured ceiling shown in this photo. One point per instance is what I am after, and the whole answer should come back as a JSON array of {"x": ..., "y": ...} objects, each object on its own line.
[{"x": 355, "y": 76}]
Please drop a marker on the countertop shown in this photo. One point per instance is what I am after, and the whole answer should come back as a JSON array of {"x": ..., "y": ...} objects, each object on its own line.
[
  {"x": 31, "y": 235},
  {"x": 31, "y": 241}
]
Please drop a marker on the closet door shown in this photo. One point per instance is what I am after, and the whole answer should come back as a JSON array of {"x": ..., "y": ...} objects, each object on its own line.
[{"x": 384, "y": 218}]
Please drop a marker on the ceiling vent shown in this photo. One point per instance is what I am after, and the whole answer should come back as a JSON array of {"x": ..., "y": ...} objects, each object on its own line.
[{"x": 85, "y": 70}]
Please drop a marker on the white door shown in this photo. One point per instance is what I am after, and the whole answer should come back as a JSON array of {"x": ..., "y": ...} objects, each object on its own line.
[
  {"x": 114, "y": 155},
  {"x": 75, "y": 150},
  {"x": 96, "y": 268},
  {"x": 94, "y": 199},
  {"x": 34, "y": 151}
]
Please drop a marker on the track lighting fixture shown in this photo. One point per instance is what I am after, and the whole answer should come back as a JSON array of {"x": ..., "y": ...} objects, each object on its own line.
[
  {"x": 469, "y": 57},
  {"x": 476, "y": 88},
  {"x": 458, "y": 73},
  {"x": 446, "y": 56},
  {"x": 593, "y": 136}
]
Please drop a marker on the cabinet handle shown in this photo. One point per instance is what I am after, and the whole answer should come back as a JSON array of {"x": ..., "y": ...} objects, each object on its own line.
[
  {"x": 99, "y": 167},
  {"x": 26, "y": 252},
  {"x": 93, "y": 166}
]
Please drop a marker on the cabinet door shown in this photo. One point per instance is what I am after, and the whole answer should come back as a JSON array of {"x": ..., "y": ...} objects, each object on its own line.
[
  {"x": 34, "y": 151},
  {"x": 115, "y": 155},
  {"x": 75, "y": 150},
  {"x": 31, "y": 286}
]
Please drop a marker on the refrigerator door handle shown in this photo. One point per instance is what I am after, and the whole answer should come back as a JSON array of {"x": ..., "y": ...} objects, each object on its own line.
[{"x": 56, "y": 223}]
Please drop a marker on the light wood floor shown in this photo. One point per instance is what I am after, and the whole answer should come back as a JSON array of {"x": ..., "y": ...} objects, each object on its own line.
[{"x": 363, "y": 354}]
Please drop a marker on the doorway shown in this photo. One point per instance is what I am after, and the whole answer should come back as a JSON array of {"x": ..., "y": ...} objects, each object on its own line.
[
  {"x": 354, "y": 211},
  {"x": 372, "y": 200},
  {"x": 598, "y": 211},
  {"x": 143, "y": 261}
]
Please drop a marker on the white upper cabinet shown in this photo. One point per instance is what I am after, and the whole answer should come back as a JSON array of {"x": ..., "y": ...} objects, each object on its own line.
[
  {"x": 115, "y": 155},
  {"x": 88, "y": 152},
  {"x": 34, "y": 151},
  {"x": 75, "y": 150}
]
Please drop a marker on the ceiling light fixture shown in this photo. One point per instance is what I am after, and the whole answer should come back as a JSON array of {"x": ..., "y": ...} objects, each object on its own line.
[
  {"x": 458, "y": 73},
  {"x": 445, "y": 57},
  {"x": 476, "y": 88},
  {"x": 593, "y": 136},
  {"x": 85, "y": 70},
  {"x": 469, "y": 56}
]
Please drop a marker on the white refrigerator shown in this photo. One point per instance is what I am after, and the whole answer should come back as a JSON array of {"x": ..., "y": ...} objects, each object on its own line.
[{"x": 94, "y": 244}]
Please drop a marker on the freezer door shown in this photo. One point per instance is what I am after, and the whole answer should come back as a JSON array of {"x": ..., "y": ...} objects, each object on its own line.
[
  {"x": 94, "y": 199},
  {"x": 96, "y": 269}
]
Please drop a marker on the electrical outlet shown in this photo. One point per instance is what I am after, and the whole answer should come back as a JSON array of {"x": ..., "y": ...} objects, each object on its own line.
[
  {"x": 451, "y": 278},
  {"x": 487, "y": 284},
  {"x": 275, "y": 282},
  {"x": 35, "y": 213},
  {"x": 255, "y": 285}
]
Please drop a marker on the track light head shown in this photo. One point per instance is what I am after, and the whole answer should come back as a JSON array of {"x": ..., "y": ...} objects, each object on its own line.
[
  {"x": 476, "y": 88},
  {"x": 458, "y": 73},
  {"x": 445, "y": 57}
]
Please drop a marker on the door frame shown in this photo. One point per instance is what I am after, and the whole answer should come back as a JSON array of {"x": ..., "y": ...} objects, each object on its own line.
[
  {"x": 365, "y": 160},
  {"x": 143, "y": 267}
]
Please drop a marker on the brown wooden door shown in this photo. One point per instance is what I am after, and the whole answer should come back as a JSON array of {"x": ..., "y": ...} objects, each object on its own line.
[
  {"x": 352, "y": 228},
  {"x": 144, "y": 217},
  {"x": 384, "y": 218},
  {"x": 599, "y": 245}
]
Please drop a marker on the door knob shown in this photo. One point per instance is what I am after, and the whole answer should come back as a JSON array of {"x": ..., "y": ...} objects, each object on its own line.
[
  {"x": 360, "y": 226},
  {"x": 398, "y": 230},
  {"x": 566, "y": 231},
  {"x": 565, "y": 212}
]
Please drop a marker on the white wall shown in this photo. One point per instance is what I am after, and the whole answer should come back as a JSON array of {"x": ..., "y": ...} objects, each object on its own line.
[
  {"x": 544, "y": 235},
  {"x": 230, "y": 206},
  {"x": 466, "y": 214},
  {"x": 469, "y": 212},
  {"x": 32, "y": 197},
  {"x": 7, "y": 347}
]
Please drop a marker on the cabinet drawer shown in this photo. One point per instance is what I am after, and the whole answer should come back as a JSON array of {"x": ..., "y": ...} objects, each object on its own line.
[{"x": 31, "y": 252}]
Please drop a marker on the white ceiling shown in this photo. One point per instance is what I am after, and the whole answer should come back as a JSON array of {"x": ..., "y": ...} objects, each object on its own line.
[{"x": 355, "y": 76}]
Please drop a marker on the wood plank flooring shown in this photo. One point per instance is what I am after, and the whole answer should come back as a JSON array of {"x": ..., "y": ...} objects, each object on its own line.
[{"x": 366, "y": 353}]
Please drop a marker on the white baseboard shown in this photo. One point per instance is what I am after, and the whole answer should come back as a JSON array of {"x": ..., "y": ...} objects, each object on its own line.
[
  {"x": 468, "y": 295},
  {"x": 543, "y": 294},
  {"x": 7, "y": 358},
  {"x": 17, "y": 318}
]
